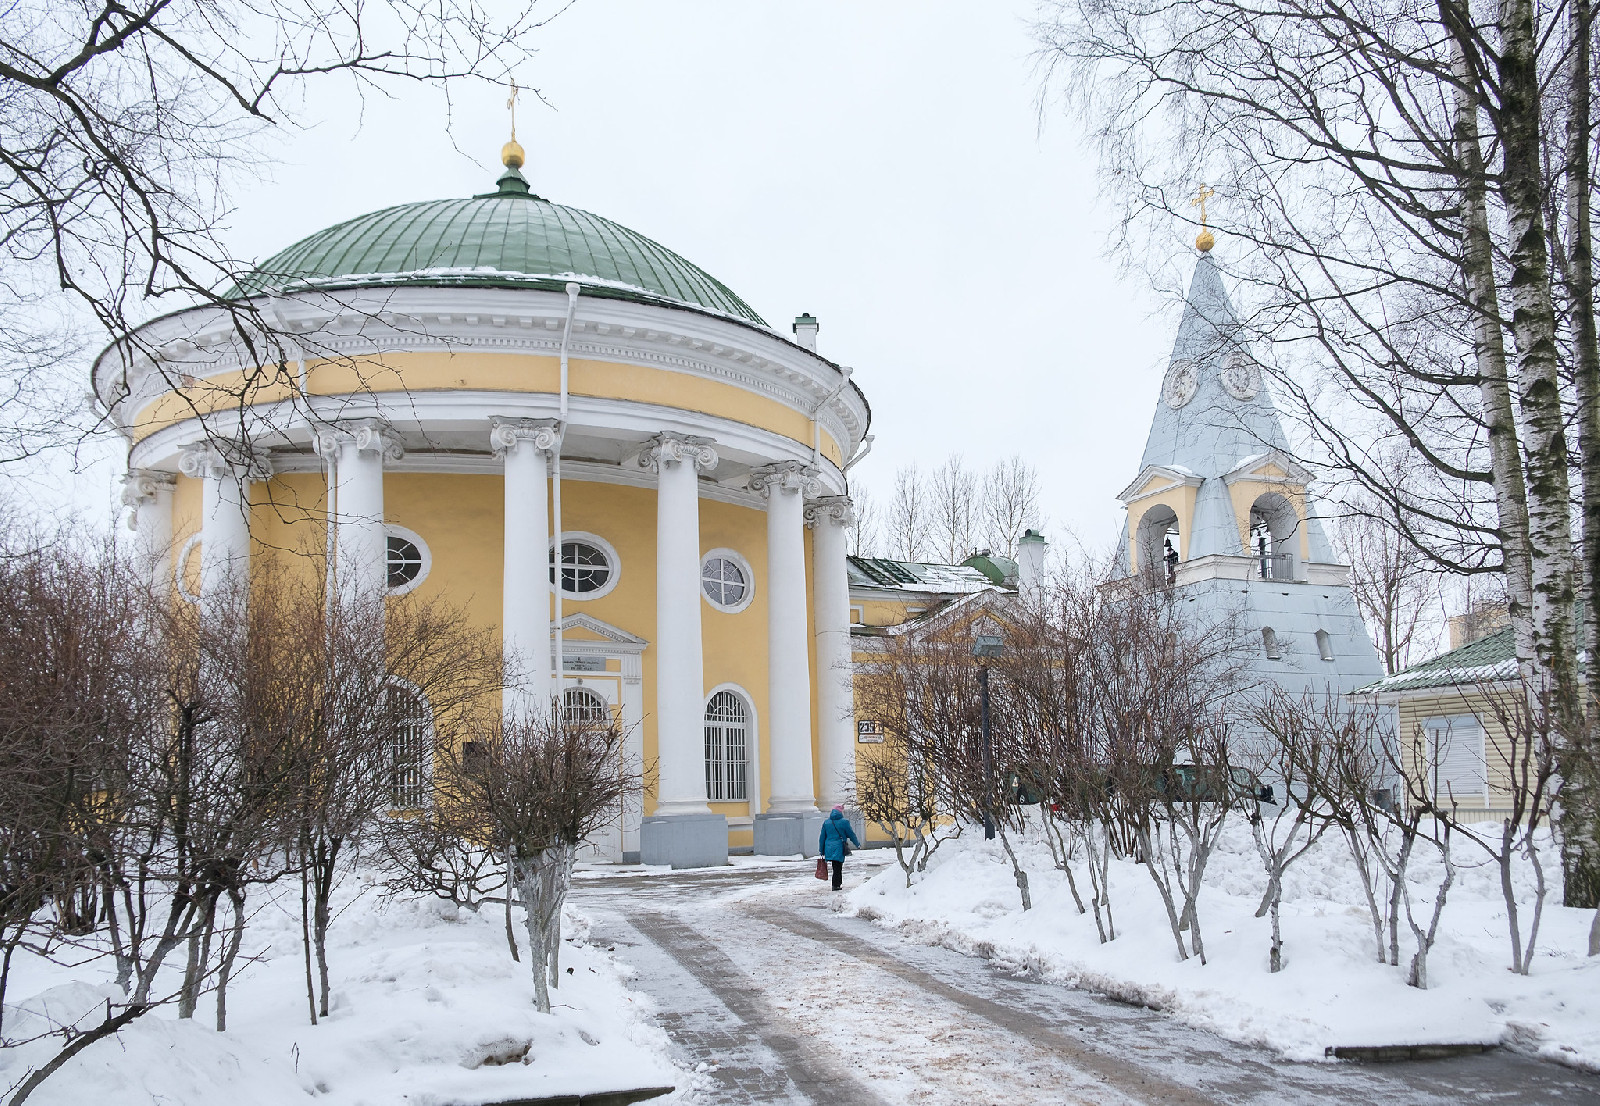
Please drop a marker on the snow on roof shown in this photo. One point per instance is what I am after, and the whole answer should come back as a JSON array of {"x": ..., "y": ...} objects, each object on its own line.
[
  {"x": 916, "y": 576},
  {"x": 1490, "y": 659}
]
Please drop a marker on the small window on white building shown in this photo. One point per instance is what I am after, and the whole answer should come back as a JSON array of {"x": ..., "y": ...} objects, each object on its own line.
[
  {"x": 409, "y": 750},
  {"x": 1454, "y": 756},
  {"x": 1269, "y": 643},
  {"x": 727, "y": 734},
  {"x": 408, "y": 559},
  {"x": 1324, "y": 645},
  {"x": 726, "y": 580}
]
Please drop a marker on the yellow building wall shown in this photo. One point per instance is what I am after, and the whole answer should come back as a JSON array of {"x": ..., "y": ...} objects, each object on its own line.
[
  {"x": 461, "y": 518},
  {"x": 497, "y": 372}
]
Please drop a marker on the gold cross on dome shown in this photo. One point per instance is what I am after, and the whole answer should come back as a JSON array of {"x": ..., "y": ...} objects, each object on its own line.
[
  {"x": 511, "y": 104},
  {"x": 1205, "y": 194}
]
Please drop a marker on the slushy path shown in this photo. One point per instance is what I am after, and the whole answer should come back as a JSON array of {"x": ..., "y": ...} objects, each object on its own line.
[{"x": 777, "y": 999}]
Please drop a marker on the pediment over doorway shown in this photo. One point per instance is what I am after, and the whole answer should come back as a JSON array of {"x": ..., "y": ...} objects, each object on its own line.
[{"x": 586, "y": 628}]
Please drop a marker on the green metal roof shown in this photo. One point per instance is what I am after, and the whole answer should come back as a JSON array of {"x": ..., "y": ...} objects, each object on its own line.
[
  {"x": 506, "y": 238},
  {"x": 1486, "y": 660}
]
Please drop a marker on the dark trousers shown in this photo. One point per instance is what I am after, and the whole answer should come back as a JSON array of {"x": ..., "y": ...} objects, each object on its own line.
[{"x": 838, "y": 873}]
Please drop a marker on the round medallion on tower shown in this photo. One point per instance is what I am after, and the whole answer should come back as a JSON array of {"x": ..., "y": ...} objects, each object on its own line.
[
  {"x": 1241, "y": 376},
  {"x": 1183, "y": 380}
]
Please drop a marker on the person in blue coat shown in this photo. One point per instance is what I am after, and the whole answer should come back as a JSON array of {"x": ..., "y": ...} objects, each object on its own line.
[{"x": 834, "y": 842}]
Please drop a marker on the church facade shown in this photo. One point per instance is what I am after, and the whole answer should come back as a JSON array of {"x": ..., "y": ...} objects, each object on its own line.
[
  {"x": 1221, "y": 513},
  {"x": 584, "y": 440}
]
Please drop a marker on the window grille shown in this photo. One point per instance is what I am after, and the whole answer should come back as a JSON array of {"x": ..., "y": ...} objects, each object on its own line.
[
  {"x": 405, "y": 561},
  {"x": 727, "y": 730},
  {"x": 579, "y": 704},
  {"x": 410, "y": 747},
  {"x": 723, "y": 581},
  {"x": 584, "y": 568}
]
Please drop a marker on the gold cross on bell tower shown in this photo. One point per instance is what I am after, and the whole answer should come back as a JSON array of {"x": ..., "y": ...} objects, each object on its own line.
[
  {"x": 1205, "y": 240},
  {"x": 512, "y": 156}
]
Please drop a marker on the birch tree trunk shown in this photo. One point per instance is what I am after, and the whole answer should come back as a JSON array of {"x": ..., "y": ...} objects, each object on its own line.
[{"x": 1581, "y": 852}]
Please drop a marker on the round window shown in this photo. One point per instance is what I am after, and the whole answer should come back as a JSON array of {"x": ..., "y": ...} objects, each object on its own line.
[
  {"x": 585, "y": 568},
  {"x": 406, "y": 559},
  {"x": 725, "y": 579}
]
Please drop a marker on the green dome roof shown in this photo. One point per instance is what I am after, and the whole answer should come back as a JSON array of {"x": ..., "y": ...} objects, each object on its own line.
[{"x": 504, "y": 239}]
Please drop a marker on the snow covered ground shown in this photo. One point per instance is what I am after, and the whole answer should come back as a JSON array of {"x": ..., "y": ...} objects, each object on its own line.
[
  {"x": 429, "y": 1009},
  {"x": 1331, "y": 992}
]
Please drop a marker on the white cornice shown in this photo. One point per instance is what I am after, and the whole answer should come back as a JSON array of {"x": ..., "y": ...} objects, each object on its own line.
[
  {"x": 1175, "y": 477},
  {"x": 374, "y": 321}
]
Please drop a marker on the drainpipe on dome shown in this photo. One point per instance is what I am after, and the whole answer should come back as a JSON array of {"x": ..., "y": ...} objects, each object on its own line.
[
  {"x": 816, "y": 414},
  {"x": 573, "y": 289}
]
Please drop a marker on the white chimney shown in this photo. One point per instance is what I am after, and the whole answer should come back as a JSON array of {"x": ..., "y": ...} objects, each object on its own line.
[
  {"x": 1031, "y": 548},
  {"x": 805, "y": 331}
]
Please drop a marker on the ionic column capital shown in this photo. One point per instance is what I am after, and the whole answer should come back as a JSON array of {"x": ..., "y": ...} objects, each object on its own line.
[
  {"x": 673, "y": 449},
  {"x": 141, "y": 486},
  {"x": 837, "y": 509},
  {"x": 207, "y": 461},
  {"x": 505, "y": 434},
  {"x": 362, "y": 435},
  {"x": 784, "y": 476}
]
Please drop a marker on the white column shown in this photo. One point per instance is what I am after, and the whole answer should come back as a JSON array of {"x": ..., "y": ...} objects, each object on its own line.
[
  {"x": 356, "y": 451},
  {"x": 680, "y": 669},
  {"x": 788, "y": 636},
  {"x": 523, "y": 445},
  {"x": 149, "y": 493},
  {"x": 224, "y": 517},
  {"x": 831, "y": 515}
]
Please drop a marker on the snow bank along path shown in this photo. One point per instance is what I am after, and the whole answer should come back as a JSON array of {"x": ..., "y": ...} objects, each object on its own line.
[
  {"x": 1332, "y": 992},
  {"x": 429, "y": 1010}
]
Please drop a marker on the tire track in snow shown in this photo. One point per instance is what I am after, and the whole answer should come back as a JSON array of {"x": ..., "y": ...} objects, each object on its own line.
[{"x": 1104, "y": 1072}]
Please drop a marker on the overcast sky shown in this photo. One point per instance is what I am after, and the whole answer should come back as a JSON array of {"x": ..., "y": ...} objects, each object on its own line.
[{"x": 880, "y": 165}]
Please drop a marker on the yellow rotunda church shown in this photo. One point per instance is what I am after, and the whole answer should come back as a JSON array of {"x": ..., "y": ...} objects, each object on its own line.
[{"x": 480, "y": 386}]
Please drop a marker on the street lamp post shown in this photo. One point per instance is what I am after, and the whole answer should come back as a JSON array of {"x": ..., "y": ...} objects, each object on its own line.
[{"x": 986, "y": 647}]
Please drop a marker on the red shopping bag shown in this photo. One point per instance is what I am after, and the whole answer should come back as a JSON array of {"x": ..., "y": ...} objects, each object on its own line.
[{"x": 822, "y": 868}]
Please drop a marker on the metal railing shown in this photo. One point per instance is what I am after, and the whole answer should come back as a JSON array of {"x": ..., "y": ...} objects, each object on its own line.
[{"x": 1275, "y": 566}]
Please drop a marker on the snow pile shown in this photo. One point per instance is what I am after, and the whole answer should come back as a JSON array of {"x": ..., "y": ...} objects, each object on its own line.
[
  {"x": 429, "y": 1009},
  {"x": 1332, "y": 991}
]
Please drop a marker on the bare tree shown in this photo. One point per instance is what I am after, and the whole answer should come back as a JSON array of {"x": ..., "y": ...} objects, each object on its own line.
[
  {"x": 954, "y": 510},
  {"x": 1394, "y": 195},
  {"x": 901, "y": 797},
  {"x": 908, "y": 518},
  {"x": 1009, "y": 505},
  {"x": 128, "y": 125},
  {"x": 537, "y": 787},
  {"x": 865, "y": 537},
  {"x": 1390, "y": 578}
]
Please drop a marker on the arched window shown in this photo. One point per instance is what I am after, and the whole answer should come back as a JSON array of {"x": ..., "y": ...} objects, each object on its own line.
[
  {"x": 579, "y": 705},
  {"x": 1274, "y": 537},
  {"x": 1269, "y": 642},
  {"x": 409, "y": 750},
  {"x": 1324, "y": 645},
  {"x": 727, "y": 732},
  {"x": 1158, "y": 541}
]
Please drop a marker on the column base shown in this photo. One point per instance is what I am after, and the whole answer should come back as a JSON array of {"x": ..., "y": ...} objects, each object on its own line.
[
  {"x": 684, "y": 840},
  {"x": 787, "y": 833}
]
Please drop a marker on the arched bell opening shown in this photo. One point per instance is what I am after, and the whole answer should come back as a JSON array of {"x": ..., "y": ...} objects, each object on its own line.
[
  {"x": 1275, "y": 538},
  {"x": 1159, "y": 545}
]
